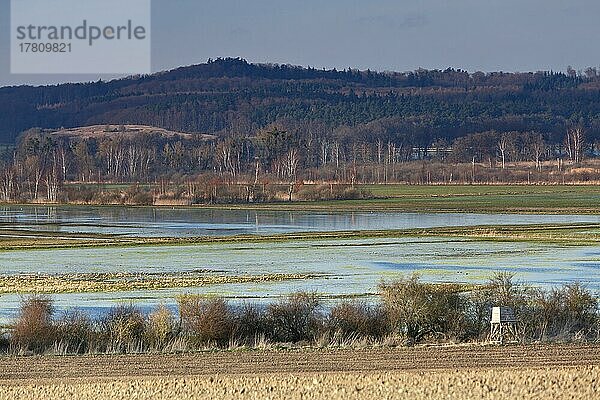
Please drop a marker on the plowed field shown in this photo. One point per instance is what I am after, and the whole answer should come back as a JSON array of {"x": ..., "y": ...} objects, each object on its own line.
[{"x": 535, "y": 371}]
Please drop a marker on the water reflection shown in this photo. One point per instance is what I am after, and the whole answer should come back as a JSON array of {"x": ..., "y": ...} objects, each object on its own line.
[{"x": 182, "y": 222}]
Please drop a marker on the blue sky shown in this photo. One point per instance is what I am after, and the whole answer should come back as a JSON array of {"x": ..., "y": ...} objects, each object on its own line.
[{"x": 486, "y": 35}]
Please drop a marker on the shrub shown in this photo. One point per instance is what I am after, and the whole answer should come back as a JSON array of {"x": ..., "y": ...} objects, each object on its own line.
[
  {"x": 249, "y": 323},
  {"x": 205, "y": 321},
  {"x": 4, "y": 341},
  {"x": 417, "y": 309},
  {"x": 558, "y": 313},
  {"x": 138, "y": 196},
  {"x": 75, "y": 332},
  {"x": 81, "y": 193},
  {"x": 504, "y": 291},
  {"x": 565, "y": 313},
  {"x": 477, "y": 313},
  {"x": 161, "y": 327},
  {"x": 353, "y": 319},
  {"x": 34, "y": 330},
  {"x": 295, "y": 319},
  {"x": 123, "y": 329},
  {"x": 354, "y": 194},
  {"x": 501, "y": 290},
  {"x": 331, "y": 192},
  {"x": 581, "y": 309}
]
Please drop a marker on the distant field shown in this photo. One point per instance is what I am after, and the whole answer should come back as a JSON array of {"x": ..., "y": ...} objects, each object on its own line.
[
  {"x": 462, "y": 198},
  {"x": 460, "y": 372},
  {"x": 437, "y": 198},
  {"x": 477, "y": 190},
  {"x": 510, "y": 198}
]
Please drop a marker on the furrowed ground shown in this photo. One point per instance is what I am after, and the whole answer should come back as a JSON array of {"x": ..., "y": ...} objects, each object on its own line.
[{"x": 535, "y": 371}]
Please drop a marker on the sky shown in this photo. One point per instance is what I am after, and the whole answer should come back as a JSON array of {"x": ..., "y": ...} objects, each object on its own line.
[{"x": 384, "y": 35}]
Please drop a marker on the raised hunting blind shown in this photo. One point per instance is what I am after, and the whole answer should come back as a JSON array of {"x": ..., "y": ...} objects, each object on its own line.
[{"x": 503, "y": 324}]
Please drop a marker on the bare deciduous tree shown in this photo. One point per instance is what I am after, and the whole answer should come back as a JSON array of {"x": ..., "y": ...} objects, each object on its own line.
[
  {"x": 537, "y": 148},
  {"x": 290, "y": 162},
  {"x": 574, "y": 143},
  {"x": 503, "y": 147}
]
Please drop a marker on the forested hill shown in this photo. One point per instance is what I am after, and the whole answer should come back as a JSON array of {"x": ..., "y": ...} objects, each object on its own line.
[{"x": 233, "y": 96}]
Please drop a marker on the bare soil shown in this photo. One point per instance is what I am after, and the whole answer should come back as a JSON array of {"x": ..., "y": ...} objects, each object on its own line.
[
  {"x": 22, "y": 369},
  {"x": 428, "y": 373}
]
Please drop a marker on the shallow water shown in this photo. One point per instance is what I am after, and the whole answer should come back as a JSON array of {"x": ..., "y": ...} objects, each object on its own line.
[
  {"x": 185, "y": 222},
  {"x": 354, "y": 266}
]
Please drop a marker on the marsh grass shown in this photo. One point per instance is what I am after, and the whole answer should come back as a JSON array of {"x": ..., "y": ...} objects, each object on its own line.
[
  {"x": 567, "y": 233},
  {"x": 118, "y": 282}
]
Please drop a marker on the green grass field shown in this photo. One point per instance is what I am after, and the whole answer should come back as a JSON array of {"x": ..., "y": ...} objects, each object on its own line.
[
  {"x": 558, "y": 199},
  {"x": 476, "y": 190},
  {"x": 514, "y": 198}
]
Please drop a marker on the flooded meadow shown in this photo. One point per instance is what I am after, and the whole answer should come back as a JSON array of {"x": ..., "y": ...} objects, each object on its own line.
[{"x": 334, "y": 268}]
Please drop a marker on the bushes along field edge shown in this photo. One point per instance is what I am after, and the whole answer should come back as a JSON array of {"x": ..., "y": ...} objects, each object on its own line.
[{"x": 409, "y": 311}]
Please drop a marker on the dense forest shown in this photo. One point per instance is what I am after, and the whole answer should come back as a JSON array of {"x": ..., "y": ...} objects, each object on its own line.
[
  {"x": 229, "y": 95},
  {"x": 234, "y": 122}
]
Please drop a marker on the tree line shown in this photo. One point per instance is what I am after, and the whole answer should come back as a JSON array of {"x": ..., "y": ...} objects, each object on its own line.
[{"x": 45, "y": 162}]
